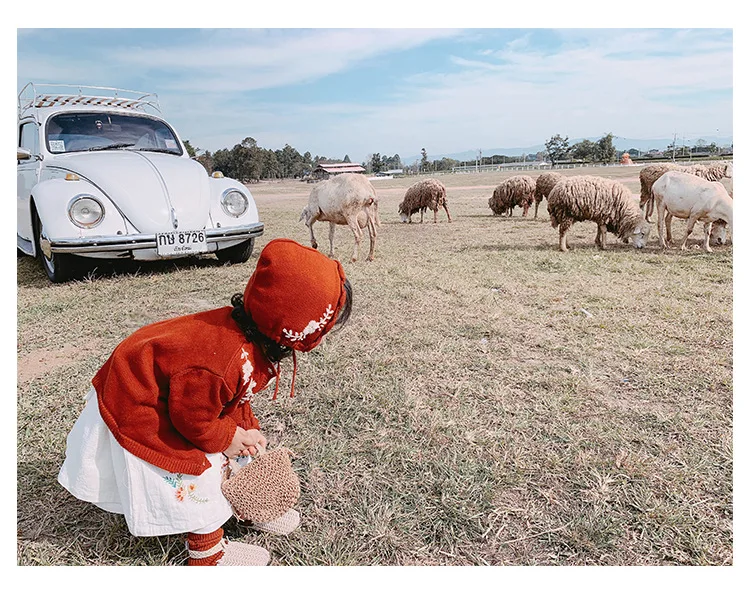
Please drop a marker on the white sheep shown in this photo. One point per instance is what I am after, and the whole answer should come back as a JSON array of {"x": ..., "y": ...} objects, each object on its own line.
[
  {"x": 650, "y": 174},
  {"x": 345, "y": 199},
  {"x": 602, "y": 200},
  {"x": 692, "y": 198}
]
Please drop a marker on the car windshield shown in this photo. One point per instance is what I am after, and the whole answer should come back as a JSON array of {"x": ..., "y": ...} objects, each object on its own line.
[{"x": 100, "y": 131}]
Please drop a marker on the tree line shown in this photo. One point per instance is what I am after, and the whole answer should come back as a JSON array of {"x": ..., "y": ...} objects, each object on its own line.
[{"x": 249, "y": 162}]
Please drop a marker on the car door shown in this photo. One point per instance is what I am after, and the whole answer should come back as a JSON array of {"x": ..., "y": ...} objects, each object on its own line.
[{"x": 29, "y": 171}]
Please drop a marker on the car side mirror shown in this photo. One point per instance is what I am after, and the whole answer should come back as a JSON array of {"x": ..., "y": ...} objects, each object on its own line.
[{"x": 23, "y": 153}]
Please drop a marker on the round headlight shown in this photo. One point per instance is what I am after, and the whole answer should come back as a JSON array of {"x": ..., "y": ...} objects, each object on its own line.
[
  {"x": 234, "y": 203},
  {"x": 86, "y": 212}
]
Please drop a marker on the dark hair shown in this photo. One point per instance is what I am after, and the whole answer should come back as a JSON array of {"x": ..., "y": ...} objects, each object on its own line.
[
  {"x": 275, "y": 351},
  {"x": 346, "y": 309}
]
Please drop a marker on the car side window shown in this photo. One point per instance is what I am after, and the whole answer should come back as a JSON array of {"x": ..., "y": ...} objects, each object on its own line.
[{"x": 29, "y": 137}]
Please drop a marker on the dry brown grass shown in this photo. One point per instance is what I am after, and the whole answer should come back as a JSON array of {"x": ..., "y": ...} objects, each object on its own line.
[{"x": 491, "y": 401}]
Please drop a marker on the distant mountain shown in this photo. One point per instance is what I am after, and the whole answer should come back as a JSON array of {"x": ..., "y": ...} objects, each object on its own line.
[{"x": 620, "y": 143}]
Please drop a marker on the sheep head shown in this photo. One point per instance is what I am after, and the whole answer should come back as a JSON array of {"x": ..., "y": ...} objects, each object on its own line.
[
  {"x": 403, "y": 212},
  {"x": 306, "y": 216},
  {"x": 639, "y": 235},
  {"x": 718, "y": 232}
]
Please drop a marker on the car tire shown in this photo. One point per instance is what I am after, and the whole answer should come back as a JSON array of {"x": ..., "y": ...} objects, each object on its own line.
[
  {"x": 59, "y": 268},
  {"x": 239, "y": 253}
]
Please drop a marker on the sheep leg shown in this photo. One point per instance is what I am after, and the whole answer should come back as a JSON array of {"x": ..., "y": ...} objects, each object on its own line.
[
  {"x": 650, "y": 208},
  {"x": 707, "y": 236},
  {"x": 351, "y": 220},
  {"x": 313, "y": 242},
  {"x": 564, "y": 236},
  {"x": 668, "y": 226},
  {"x": 373, "y": 234},
  {"x": 536, "y": 208},
  {"x": 660, "y": 215},
  {"x": 434, "y": 215},
  {"x": 602, "y": 236},
  {"x": 421, "y": 214},
  {"x": 690, "y": 226},
  {"x": 445, "y": 206},
  {"x": 331, "y": 230}
]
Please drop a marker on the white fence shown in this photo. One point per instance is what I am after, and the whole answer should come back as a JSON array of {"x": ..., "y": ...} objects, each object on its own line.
[{"x": 530, "y": 166}]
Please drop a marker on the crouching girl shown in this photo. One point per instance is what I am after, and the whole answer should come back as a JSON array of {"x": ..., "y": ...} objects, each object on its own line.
[{"x": 172, "y": 404}]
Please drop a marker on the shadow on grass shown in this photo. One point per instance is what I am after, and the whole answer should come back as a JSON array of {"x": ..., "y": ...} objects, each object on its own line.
[
  {"x": 54, "y": 527},
  {"x": 30, "y": 273}
]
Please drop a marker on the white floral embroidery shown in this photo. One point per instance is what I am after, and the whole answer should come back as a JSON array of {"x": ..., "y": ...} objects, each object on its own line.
[
  {"x": 311, "y": 327},
  {"x": 247, "y": 371}
]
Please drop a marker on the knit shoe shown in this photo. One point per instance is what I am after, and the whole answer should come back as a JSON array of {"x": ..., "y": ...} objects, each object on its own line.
[
  {"x": 286, "y": 524},
  {"x": 236, "y": 554}
]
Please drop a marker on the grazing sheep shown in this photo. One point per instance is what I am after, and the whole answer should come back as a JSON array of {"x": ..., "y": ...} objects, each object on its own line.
[
  {"x": 690, "y": 197},
  {"x": 544, "y": 185},
  {"x": 345, "y": 199},
  {"x": 516, "y": 190},
  {"x": 717, "y": 237},
  {"x": 421, "y": 195},
  {"x": 606, "y": 202},
  {"x": 652, "y": 173}
]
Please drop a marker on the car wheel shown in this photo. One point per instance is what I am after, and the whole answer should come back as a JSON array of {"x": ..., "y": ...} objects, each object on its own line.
[
  {"x": 239, "y": 253},
  {"x": 58, "y": 267}
]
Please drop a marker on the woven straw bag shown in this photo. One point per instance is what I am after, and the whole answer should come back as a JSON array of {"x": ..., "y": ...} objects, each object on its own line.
[{"x": 265, "y": 488}]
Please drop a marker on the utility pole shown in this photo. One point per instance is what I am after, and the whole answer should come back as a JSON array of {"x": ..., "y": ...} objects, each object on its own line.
[{"x": 674, "y": 142}]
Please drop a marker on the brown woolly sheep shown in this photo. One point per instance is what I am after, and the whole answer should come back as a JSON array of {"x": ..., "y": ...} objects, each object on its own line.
[
  {"x": 516, "y": 190},
  {"x": 652, "y": 173},
  {"x": 345, "y": 199},
  {"x": 544, "y": 185},
  {"x": 427, "y": 193},
  {"x": 593, "y": 198}
]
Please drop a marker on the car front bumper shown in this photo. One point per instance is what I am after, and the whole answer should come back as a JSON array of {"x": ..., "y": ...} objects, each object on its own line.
[{"x": 124, "y": 245}]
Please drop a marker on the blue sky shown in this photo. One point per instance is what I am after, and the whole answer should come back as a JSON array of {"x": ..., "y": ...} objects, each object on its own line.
[{"x": 357, "y": 91}]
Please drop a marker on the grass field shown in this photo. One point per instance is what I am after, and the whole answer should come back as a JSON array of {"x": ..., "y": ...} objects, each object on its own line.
[{"x": 491, "y": 401}]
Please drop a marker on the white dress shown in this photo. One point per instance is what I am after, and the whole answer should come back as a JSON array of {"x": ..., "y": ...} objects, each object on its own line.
[{"x": 154, "y": 502}]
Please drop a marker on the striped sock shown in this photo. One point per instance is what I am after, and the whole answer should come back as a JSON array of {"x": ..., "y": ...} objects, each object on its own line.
[{"x": 204, "y": 542}]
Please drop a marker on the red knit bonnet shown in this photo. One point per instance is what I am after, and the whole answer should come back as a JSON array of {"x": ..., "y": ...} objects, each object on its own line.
[{"x": 295, "y": 295}]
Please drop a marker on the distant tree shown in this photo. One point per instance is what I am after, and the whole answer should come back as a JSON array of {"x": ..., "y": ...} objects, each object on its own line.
[
  {"x": 605, "y": 150},
  {"x": 346, "y": 159},
  {"x": 376, "y": 164},
  {"x": 557, "y": 148},
  {"x": 206, "y": 160},
  {"x": 584, "y": 150},
  {"x": 425, "y": 163},
  {"x": 191, "y": 152}
]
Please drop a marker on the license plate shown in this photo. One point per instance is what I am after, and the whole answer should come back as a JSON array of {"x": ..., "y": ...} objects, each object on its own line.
[{"x": 181, "y": 242}]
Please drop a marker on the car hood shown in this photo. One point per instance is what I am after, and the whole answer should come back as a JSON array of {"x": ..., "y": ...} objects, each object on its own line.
[{"x": 146, "y": 187}]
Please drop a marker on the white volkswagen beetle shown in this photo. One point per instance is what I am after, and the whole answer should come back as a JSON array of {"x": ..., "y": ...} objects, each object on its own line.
[{"x": 102, "y": 175}]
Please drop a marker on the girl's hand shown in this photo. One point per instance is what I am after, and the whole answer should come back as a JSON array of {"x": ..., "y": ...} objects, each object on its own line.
[{"x": 244, "y": 442}]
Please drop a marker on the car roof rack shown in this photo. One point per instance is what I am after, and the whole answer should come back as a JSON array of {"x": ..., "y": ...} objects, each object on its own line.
[{"x": 45, "y": 95}]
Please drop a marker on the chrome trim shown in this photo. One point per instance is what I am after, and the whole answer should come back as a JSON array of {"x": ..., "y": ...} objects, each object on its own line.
[{"x": 141, "y": 241}]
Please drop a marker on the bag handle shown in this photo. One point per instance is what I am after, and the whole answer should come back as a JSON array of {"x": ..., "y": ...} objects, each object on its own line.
[{"x": 234, "y": 467}]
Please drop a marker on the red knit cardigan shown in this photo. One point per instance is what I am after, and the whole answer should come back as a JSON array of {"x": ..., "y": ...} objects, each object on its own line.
[{"x": 176, "y": 390}]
